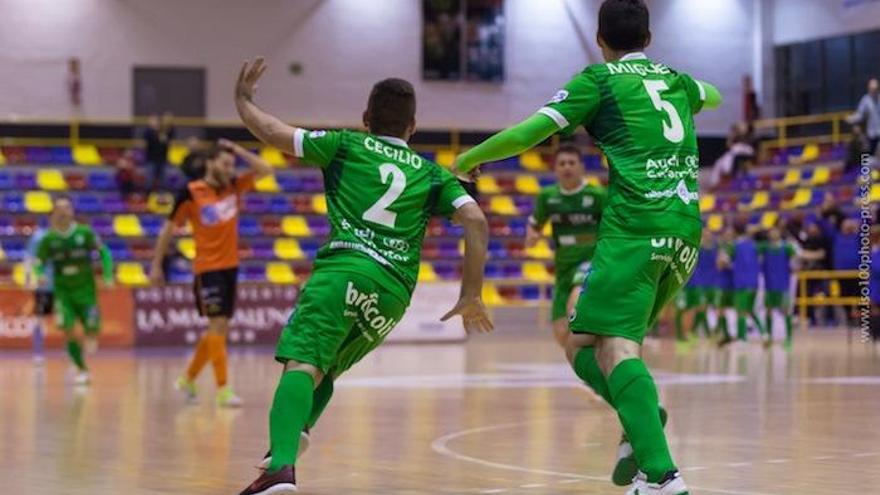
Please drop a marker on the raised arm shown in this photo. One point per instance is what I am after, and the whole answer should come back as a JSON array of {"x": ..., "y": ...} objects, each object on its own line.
[
  {"x": 258, "y": 167},
  {"x": 476, "y": 245},
  {"x": 267, "y": 128},
  {"x": 510, "y": 142},
  {"x": 157, "y": 275}
]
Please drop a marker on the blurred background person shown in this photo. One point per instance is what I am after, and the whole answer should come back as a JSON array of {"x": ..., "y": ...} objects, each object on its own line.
[
  {"x": 868, "y": 114},
  {"x": 158, "y": 137}
]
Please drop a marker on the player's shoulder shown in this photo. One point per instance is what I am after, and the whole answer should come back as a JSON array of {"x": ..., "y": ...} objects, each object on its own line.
[
  {"x": 549, "y": 190},
  {"x": 595, "y": 190}
]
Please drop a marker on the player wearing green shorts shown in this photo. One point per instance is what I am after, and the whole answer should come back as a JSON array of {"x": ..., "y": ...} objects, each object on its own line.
[
  {"x": 68, "y": 247},
  {"x": 573, "y": 209},
  {"x": 724, "y": 296},
  {"x": 380, "y": 197},
  {"x": 640, "y": 113},
  {"x": 746, "y": 267},
  {"x": 699, "y": 293},
  {"x": 776, "y": 260}
]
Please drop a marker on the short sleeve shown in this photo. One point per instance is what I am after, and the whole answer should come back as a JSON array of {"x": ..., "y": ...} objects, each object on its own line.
[
  {"x": 575, "y": 104},
  {"x": 539, "y": 214},
  {"x": 92, "y": 238},
  {"x": 316, "y": 147},
  {"x": 244, "y": 183},
  {"x": 452, "y": 195},
  {"x": 695, "y": 91},
  {"x": 182, "y": 207},
  {"x": 42, "y": 251}
]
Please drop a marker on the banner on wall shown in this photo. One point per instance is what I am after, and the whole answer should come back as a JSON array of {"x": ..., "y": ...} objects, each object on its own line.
[
  {"x": 168, "y": 315},
  {"x": 17, "y": 322}
]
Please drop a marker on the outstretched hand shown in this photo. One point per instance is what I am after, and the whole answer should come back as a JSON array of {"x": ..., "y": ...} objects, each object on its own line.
[
  {"x": 474, "y": 315},
  {"x": 248, "y": 77}
]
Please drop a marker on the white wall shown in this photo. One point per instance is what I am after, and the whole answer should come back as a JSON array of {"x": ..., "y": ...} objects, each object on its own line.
[
  {"x": 802, "y": 20},
  {"x": 344, "y": 46}
]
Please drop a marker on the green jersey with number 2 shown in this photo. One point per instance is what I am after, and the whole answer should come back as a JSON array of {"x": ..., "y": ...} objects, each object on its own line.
[
  {"x": 641, "y": 115},
  {"x": 380, "y": 196}
]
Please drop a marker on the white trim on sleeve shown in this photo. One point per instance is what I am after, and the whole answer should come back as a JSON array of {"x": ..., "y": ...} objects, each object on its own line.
[
  {"x": 557, "y": 117},
  {"x": 702, "y": 90},
  {"x": 463, "y": 200},
  {"x": 298, "y": 137}
]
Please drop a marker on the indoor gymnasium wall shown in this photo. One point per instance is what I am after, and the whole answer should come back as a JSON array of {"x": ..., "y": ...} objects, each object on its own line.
[{"x": 343, "y": 46}]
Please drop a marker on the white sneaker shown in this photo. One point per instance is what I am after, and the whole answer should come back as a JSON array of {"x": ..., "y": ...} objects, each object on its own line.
[
  {"x": 227, "y": 398},
  {"x": 82, "y": 378},
  {"x": 187, "y": 388},
  {"x": 304, "y": 442},
  {"x": 671, "y": 484}
]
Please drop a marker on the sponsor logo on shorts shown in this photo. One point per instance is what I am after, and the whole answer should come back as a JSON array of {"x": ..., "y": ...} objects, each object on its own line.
[
  {"x": 367, "y": 306},
  {"x": 681, "y": 191},
  {"x": 680, "y": 256}
]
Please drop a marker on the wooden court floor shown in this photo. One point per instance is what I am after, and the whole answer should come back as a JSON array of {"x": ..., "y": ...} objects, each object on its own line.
[{"x": 500, "y": 415}]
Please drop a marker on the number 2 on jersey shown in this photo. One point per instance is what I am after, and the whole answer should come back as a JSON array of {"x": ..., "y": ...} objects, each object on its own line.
[
  {"x": 379, "y": 213},
  {"x": 674, "y": 131}
]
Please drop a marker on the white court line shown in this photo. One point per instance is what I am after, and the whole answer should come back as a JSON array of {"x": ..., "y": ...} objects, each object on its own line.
[{"x": 440, "y": 446}]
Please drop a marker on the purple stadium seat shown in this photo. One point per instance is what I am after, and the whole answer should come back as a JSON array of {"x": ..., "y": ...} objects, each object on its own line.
[
  {"x": 546, "y": 180},
  {"x": 15, "y": 249},
  {"x": 518, "y": 226},
  {"x": 249, "y": 226},
  {"x": 103, "y": 226},
  {"x": 7, "y": 181},
  {"x": 38, "y": 155},
  {"x": 318, "y": 225},
  {"x": 309, "y": 247},
  {"x": 86, "y": 203},
  {"x": 493, "y": 270},
  {"x": 279, "y": 205},
  {"x": 288, "y": 182},
  {"x": 13, "y": 202},
  {"x": 263, "y": 249},
  {"x": 152, "y": 224},
  {"x": 119, "y": 249},
  {"x": 254, "y": 203},
  {"x": 311, "y": 183},
  {"x": 101, "y": 181},
  {"x": 253, "y": 273},
  {"x": 511, "y": 270},
  {"x": 524, "y": 203},
  {"x": 113, "y": 203},
  {"x": 26, "y": 181},
  {"x": 530, "y": 292},
  {"x": 61, "y": 155},
  {"x": 6, "y": 226}
]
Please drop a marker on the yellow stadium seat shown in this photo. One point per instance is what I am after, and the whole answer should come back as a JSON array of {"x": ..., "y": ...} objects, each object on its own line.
[
  {"x": 809, "y": 154},
  {"x": 548, "y": 230},
  {"x": 486, "y": 184},
  {"x": 86, "y": 154},
  {"x": 2, "y": 254},
  {"x": 541, "y": 251},
  {"x": 49, "y": 179},
  {"x": 491, "y": 297},
  {"x": 280, "y": 273},
  {"x": 187, "y": 247},
  {"x": 528, "y": 184},
  {"x": 127, "y": 226},
  {"x": 791, "y": 178},
  {"x": 160, "y": 203},
  {"x": 715, "y": 222},
  {"x": 536, "y": 271},
  {"x": 37, "y": 202},
  {"x": 822, "y": 175},
  {"x": 295, "y": 226},
  {"x": 707, "y": 202},
  {"x": 319, "y": 204},
  {"x": 531, "y": 160},
  {"x": 445, "y": 158},
  {"x": 2, "y": 158},
  {"x": 592, "y": 180},
  {"x": 875, "y": 175},
  {"x": 801, "y": 198},
  {"x": 131, "y": 273},
  {"x": 503, "y": 205},
  {"x": 427, "y": 273},
  {"x": 769, "y": 219},
  {"x": 288, "y": 249},
  {"x": 18, "y": 275},
  {"x": 176, "y": 154},
  {"x": 604, "y": 161},
  {"x": 875, "y": 193},
  {"x": 267, "y": 184},
  {"x": 759, "y": 200},
  {"x": 273, "y": 157}
]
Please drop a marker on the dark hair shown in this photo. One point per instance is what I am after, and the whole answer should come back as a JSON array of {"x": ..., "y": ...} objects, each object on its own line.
[
  {"x": 569, "y": 148},
  {"x": 61, "y": 197},
  {"x": 195, "y": 164},
  {"x": 624, "y": 24},
  {"x": 391, "y": 108},
  {"x": 740, "y": 228}
]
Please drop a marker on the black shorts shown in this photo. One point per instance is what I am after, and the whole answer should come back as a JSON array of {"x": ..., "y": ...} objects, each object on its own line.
[
  {"x": 44, "y": 302},
  {"x": 215, "y": 292}
]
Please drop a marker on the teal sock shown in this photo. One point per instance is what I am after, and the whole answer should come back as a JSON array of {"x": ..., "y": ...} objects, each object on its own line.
[
  {"x": 587, "y": 369},
  {"x": 701, "y": 321},
  {"x": 788, "y": 329},
  {"x": 741, "y": 328},
  {"x": 320, "y": 399},
  {"x": 290, "y": 410},
  {"x": 635, "y": 397},
  {"x": 74, "y": 350}
]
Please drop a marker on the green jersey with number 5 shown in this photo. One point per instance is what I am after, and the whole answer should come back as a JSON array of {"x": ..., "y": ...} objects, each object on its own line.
[
  {"x": 641, "y": 115},
  {"x": 380, "y": 196}
]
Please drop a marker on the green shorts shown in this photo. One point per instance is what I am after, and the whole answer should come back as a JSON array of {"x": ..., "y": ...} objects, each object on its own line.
[
  {"x": 776, "y": 299},
  {"x": 630, "y": 282},
  {"x": 725, "y": 298},
  {"x": 82, "y": 307},
  {"x": 567, "y": 280},
  {"x": 744, "y": 299},
  {"x": 339, "y": 319},
  {"x": 690, "y": 298}
]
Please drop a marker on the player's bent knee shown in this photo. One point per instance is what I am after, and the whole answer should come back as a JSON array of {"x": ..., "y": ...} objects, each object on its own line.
[
  {"x": 577, "y": 341},
  {"x": 316, "y": 374},
  {"x": 611, "y": 351}
]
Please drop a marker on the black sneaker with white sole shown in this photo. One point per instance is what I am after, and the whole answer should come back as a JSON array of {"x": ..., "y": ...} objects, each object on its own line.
[
  {"x": 304, "y": 442},
  {"x": 281, "y": 482}
]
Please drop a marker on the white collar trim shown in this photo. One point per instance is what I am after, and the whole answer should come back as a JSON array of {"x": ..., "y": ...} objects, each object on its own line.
[
  {"x": 394, "y": 140},
  {"x": 633, "y": 56},
  {"x": 571, "y": 192}
]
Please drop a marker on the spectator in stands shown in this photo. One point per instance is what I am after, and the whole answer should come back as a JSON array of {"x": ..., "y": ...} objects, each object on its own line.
[
  {"x": 868, "y": 114},
  {"x": 845, "y": 256},
  {"x": 126, "y": 174},
  {"x": 740, "y": 155},
  {"x": 831, "y": 214},
  {"x": 815, "y": 251},
  {"x": 859, "y": 146},
  {"x": 158, "y": 137},
  {"x": 874, "y": 287}
]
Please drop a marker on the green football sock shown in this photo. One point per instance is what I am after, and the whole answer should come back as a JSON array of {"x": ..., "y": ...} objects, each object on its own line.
[
  {"x": 320, "y": 399},
  {"x": 768, "y": 322},
  {"x": 741, "y": 327},
  {"x": 761, "y": 329},
  {"x": 74, "y": 350},
  {"x": 701, "y": 321},
  {"x": 721, "y": 327},
  {"x": 788, "y": 329},
  {"x": 587, "y": 369},
  {"x": 679, "y": 325},
  {"x": 290, "y": 410},
  {"x": 635, "y": 397}
]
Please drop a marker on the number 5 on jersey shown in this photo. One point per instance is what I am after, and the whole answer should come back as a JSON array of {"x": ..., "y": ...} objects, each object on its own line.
[
  {"x": 674, "y": 131},
  {"x": 379, "y": 213}
]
